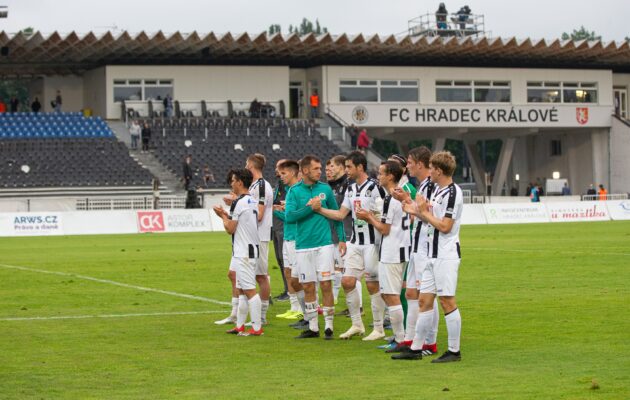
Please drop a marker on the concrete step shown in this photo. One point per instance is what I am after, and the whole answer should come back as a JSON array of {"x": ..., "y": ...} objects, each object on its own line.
[{"x": 167, "y": 178}]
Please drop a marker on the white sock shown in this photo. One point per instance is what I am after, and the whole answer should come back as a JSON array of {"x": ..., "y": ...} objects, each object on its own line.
[
  {"x": 378, "y": 309},
  {"x": 295, "y": 304},
  {"x": 234, "y": 307},
  {"x": 454, "y": 329},
  {"x": 360, "y": 290},
  {"x": 255, "y": 312},
  {"x": 397, "y": 317},
  {"x": 336, "y": 284},
  {"x": 300, "y": 296},
  {"x": 422, "y": 327},
  {"x": 329, "y": 315},
  {"x": 412, "y": 318},
  {"x": 263, "y": 310},
  {"x": 311, "y": 316},
  {"x": 241, "y": 315},
  {"x": 352, "y": 299},
  {"x": 433, "y": 332}
]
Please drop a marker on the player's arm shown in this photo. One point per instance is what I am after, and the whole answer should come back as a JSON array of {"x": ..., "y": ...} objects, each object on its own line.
[
  {"x": 336, "y": 215},
  {"x": 331, "y": 204},
  {"x": 278, "y": 212},
  {"x": 228, "y": 224},
  {"x": 292, "y": 213},
  {"x": 446, "y": 223},
  {"x": 383, "y": 226}
]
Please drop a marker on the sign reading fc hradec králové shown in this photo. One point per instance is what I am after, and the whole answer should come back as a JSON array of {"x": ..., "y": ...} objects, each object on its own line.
[{"x": 477, "y": 116}]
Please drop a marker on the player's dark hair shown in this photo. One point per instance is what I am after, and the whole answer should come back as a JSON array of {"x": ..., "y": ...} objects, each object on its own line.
[
  {"x": 290, "y": 164},
  {"x": 393, "y": 168},
  {"x": 421, "y": 154},
  {"x": 242, "y": 175},
  {"x": 306, "y": 161},
  {"x": 357, "y": 159}
]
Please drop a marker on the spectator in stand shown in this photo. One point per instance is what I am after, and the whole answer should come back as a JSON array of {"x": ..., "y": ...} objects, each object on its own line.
[
  {"x": 36, "y": 105},
  {"x": 603, "y": 194},
  {"x": 14, "y": 103},
  {"x": 314, "y": 102},
  {"x": 254, "y": 109},
  {"x": 134, "y": 131},
  {"x": 514, "y": 191},
  {"x": 535, "y": 195},
  {"x": 146, "y": 137},
  {"x": 566, "y": 190},
  {"x": 58, "y": 102},
  {"x": 168, "y": 105},
  {"x": 208, "y": 176},
  {"x": 363, "y": 141},
  {"x": 189, "y": 184},
  {"x": 354, "y": 136},
  {"x": 528, "y": 190},
  {"x": 591, "y": 190}
]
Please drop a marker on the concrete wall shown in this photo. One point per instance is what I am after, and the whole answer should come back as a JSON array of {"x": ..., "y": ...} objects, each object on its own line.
[
  {"x": 428, "y": 75},
  {"x": 619, "y": 158},
  {"x": 71, "y": 88},
  {"x": 94, "y": 91},
  {"x": 209, "y": 83}
]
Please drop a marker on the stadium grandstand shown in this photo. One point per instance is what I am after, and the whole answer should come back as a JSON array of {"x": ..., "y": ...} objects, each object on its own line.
[{"x": 559, "y": 108}]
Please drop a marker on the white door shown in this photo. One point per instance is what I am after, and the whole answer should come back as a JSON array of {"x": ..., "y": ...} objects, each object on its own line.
[{"x": 620, "y": 101}]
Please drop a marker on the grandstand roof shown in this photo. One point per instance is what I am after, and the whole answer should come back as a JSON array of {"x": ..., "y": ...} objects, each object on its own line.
[{"x": 56, "y": 53}]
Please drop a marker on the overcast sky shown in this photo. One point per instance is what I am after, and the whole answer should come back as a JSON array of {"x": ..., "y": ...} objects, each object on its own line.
[{"x": 504, "y": 18}]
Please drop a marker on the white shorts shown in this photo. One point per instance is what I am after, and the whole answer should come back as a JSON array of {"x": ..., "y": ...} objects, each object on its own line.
[
  {"x": 288, "y": 253},
  {"x": 245, "y": 272},
  {"x": 390, "y": 277},
  {"x": 262, "y": 266},
  {"x": 316, "y": 265},
  {"x": 417, "y": 264},
  {"x": 440, "y": 277},
  {"x": 362, "y": 261},
  {"x": 338, "y": 258}
]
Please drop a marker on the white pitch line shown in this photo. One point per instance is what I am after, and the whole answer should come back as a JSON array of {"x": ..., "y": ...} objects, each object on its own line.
[
  {"x": 594, "y": 253},
  {"x": 126, "y": 285},
  {"x": 108, "y": 316}
]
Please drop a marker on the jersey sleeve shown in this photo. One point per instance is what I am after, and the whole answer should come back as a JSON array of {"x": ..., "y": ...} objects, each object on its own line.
[
  {"x": 387, "y": 216},
  {"x": 331, "y": 203},
  {"x": 261, "y": 193},
  {"x": 454, "y": 204},
  {"x": 268, "y": 194},
  {"x": 346, "y": 201},
  {"x": 291, "y": 211},
  {"x": 236, "y": 209}
]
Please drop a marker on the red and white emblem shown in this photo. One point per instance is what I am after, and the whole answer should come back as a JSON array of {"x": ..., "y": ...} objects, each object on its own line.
[{"x": 581, "y": 115}]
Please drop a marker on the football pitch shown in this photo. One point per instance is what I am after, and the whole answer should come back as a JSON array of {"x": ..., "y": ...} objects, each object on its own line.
[{"x": 544, "y": 316}]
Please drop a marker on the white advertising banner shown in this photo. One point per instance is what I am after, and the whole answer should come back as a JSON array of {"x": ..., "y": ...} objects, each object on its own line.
[
  {"x": 99, "y": 222},
  {"x": 176, "y": 220},
  {"x": 578, "y": 211},
  {"x": 31, "y": 224},
  {"x": 619, "y": 209},
  {"x": 475, "y": 115},
  {"x": 473, "y": 214},
  {"x": 515, "y": 213}
]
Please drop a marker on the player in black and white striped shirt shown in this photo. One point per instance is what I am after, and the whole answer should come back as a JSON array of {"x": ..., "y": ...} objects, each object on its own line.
[
  {"x": 394, "y": 250},
  {"x": 242, "y": 223},
  {"x": 443, "y": 214}
]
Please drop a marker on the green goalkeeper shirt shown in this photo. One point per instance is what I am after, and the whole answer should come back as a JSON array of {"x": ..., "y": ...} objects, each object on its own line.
[{"x": 312, "y": 229}]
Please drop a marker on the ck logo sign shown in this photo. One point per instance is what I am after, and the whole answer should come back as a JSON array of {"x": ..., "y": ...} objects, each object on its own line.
[{"x": 150, "y": 221}]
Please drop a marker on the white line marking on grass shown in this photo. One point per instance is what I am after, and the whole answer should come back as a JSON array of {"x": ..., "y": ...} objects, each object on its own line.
[
  {"x": 89, "y": 278},
  {"x": 571, "y": 253},
  {"x": 109, "y": 316}
]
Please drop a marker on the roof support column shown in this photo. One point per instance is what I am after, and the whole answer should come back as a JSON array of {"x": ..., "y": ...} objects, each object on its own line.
[
  {"x": 599, "y": 140},
  {"x": 478, "y": 171},
  {"x": 503, "y": 165},
  {"x": 438, "y": 144}
]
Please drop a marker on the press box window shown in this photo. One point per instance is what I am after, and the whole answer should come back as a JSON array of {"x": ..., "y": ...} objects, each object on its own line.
[
  {"x": 475, "y": 91},
  {"x": 561, "y": 92},
  {"x": 372, "y": 91},
  {"x": 399, "y": 91}
]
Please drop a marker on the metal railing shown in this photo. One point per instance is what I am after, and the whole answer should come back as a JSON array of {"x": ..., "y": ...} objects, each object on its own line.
[
  {"x": 614, "y": 196},
  {"x": 131, "y": 203}
]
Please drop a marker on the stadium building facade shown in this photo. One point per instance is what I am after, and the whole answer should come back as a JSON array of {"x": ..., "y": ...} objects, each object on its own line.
[{"x": 557, "y": 106}]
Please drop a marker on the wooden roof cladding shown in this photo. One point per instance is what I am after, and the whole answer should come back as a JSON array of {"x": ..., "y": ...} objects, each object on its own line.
[{"x": 72, "y": 53}]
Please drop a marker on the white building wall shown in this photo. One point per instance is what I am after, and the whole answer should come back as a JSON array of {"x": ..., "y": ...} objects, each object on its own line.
[
  {"x": 94, "y": 90},
  {"x": 210, "y": 83},
  {"x": 619, "y": 158},
  {"x": 71, "y": 88}
]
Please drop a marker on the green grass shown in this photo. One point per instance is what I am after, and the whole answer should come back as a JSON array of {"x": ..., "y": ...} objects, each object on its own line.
[{"x": 544, "y": 310}]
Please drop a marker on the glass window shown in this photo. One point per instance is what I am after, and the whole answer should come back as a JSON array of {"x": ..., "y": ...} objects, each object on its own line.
[
  {"x": 409, "y": 83},
  {"x": 348, "y": 83},
  {"x": 358, "y": 94},
  {"x": 463, "y": 95},
  {"x": 122, "y": 93},
  {"x": 166, "y": 82},
  {"x": 444, "y": 83},
  {"x": 120, "y": 82},
  {"x": 543, "y": 96},
  {"x": 492, "y": 95},
  {"x": 151, "y": 82},
  {"x": 399, "y": 94},
  {"x": 157, "y": 92},
  {"x": 462, "y": 83},
  {"x": 135, "y": 82},
  {"x": 580, "y": 95},
  {"x": 389, "y": 83},
  {"x": 367, "y": 83}
]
